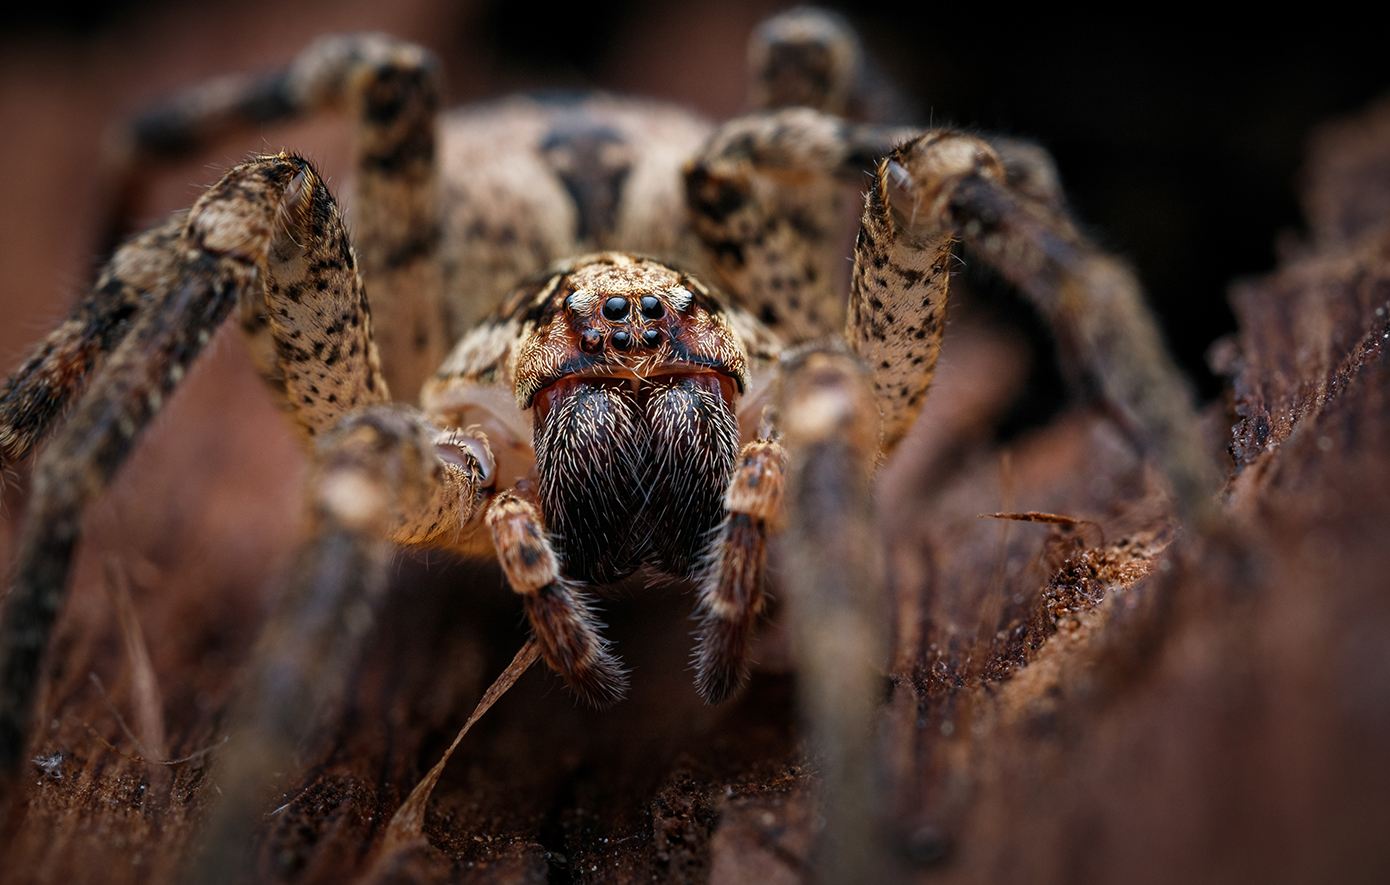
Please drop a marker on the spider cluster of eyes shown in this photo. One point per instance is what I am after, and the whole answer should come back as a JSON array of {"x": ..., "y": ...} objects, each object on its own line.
[{"x": 618, "y": 310}]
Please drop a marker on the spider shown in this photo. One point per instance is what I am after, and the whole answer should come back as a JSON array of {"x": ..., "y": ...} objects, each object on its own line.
[{"x": 691, "y": 384}]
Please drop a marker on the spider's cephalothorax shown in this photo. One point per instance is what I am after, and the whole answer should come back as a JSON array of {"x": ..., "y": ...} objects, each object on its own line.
[
  {"x": 632, "y": 379},
  {"x": 613, "y": 413}
]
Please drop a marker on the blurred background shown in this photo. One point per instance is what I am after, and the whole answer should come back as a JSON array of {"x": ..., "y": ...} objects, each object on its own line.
[{"x": 1179, "y": 142}]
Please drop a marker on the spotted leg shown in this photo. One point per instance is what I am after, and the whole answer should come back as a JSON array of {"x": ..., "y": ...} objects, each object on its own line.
[
  {"x": 267, "y": 236},
  {"x": 945, "y": 185},
  {"x": 766, "y": 195},
  {"x": 392, "y": 87}
]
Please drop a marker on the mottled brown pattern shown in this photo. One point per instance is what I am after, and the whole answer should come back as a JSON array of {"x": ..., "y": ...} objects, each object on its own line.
[
  {"x": 945, "y": 185},
  {"x": 386, "y": 471},
  {"x": 897, "y": 306},
  {"x": 225, "y": 240},
  {"x": 766, "y": 198},
  {"x": 692, "y": 333},
  {"x": 314, "y": 311},
  {"x": 57, "y": 372},
  {"x": 508, "y": 212}
]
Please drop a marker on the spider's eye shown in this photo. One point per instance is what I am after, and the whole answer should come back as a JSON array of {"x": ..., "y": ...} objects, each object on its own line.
[
  {"x": 651, "y": 338},
  {"x": 591, "y": 341},
  {"x": 622, "y": 340},
  {"x": 651, "y": 307},
  {"x": 615, "y": 308}
]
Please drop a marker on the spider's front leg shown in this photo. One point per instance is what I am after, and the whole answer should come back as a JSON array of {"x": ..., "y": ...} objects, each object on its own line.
[
  {"x": 269, "y": 238},
  {"x": 199, "y": 276},
  {"x": 394, "y": 89},
  {"x": 383, "y": 473},
  {"x": 944, "y": 184}
]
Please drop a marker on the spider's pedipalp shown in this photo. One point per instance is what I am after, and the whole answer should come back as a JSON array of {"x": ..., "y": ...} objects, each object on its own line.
[
  {"x": 733, "y": 588},
  {"x": 559, "y": 613}
]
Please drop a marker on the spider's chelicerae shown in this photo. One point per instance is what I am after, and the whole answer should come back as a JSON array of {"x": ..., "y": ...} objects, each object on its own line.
[{"x": 672, "y": 376}]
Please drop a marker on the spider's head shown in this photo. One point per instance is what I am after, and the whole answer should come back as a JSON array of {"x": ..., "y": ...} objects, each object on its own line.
[
  {"x": 613, "y": 315},
  {"x": 632, "y": 373}
]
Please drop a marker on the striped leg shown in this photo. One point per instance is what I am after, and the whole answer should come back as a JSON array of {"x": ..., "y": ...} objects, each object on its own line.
[{"x": 557, "y": 608}]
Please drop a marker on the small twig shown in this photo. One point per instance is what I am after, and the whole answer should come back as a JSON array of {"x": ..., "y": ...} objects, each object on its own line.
[
  {"x": 144, "y": 757},
  {"x": 1048, "y": 518},
  {"x": 408, "y": 823},
  {"x": 149, "y": 705}
]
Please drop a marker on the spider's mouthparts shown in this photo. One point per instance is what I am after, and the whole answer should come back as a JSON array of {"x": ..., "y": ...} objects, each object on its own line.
[
  {"x": 641, "y": 387},
  {"x": 633, "y": 474}
]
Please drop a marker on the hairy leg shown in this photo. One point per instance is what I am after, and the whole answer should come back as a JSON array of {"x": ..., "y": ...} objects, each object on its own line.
[
  {"x": 766, "y": 198},
  {"x": 393, "y": 89},
  {"x": 557, "y": 608},
  {"x": 58, "y": 370},
  {"x": 732, "y": 592},
  {"x": 268, "y": 222},
  {"x": 949, "y": 184}
]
